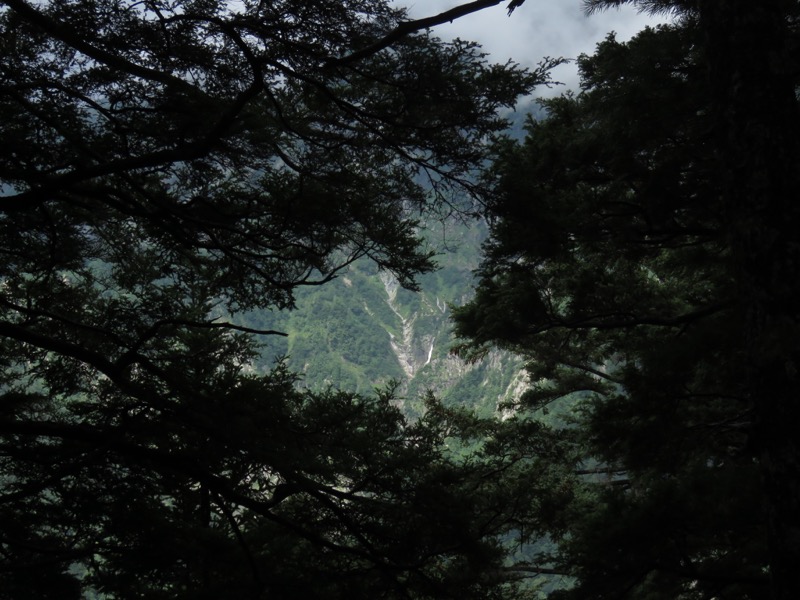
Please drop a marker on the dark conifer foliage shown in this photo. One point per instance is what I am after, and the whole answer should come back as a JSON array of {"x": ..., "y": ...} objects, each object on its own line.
[
  {"x": 616, "y": 266},
  {"x": 165, "y": 165}
]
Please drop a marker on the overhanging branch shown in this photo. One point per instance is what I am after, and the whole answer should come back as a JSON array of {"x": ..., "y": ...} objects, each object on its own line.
[{"x": 407, "y": 27}]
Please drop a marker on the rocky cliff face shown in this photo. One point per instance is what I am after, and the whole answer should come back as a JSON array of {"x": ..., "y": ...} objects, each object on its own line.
[{"x": 423, "y": 352}]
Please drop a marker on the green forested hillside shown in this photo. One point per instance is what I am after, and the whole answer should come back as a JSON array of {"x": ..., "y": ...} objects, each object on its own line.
[{"x": 363, "y": 330}]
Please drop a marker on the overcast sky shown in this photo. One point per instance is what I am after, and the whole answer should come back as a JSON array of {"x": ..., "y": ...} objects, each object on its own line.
[{"x": 538, "y": 28}]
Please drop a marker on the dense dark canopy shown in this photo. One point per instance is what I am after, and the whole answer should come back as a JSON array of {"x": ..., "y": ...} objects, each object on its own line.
[
  {"x": 644, "y": 258},
  {"x": 165, "y": 165}
]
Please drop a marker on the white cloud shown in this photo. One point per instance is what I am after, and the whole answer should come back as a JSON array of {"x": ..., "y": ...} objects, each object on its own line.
[{"x": 537, "y": 29}]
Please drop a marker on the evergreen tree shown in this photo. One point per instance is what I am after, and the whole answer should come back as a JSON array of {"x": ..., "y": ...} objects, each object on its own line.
[
  {"x": 165, "y": 166},
  {"x": 616, "y": 267},
  {"x": 751, "y": 69}
]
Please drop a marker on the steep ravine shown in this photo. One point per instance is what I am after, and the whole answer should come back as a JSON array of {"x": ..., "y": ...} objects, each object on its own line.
[
  {"x": 402, "y": 345},
  {"x": 427, "y": 366}
]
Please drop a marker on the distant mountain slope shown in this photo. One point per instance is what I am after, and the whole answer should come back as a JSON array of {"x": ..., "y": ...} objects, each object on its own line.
[{"x": 363, "y": 330}]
